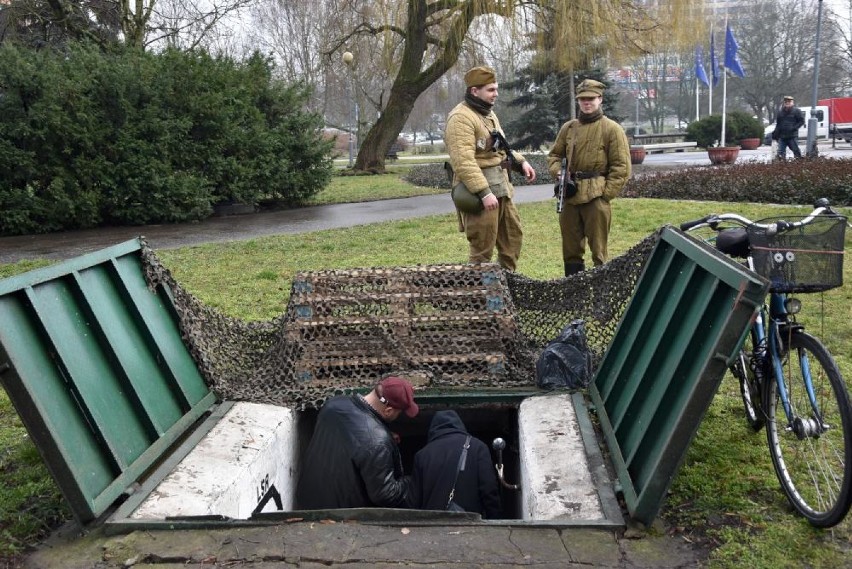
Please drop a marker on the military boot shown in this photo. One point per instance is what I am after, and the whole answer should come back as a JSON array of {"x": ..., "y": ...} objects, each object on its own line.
[{"x": 571, "y": 268}]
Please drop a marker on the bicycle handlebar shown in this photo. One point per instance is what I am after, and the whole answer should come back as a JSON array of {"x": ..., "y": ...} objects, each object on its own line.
[
  {"x": 687, "y": 225},
  {"x": 712, "y": 220}
]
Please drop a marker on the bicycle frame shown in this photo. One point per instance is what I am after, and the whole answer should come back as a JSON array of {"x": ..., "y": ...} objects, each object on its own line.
[
  {"x": 768, "y": 336},
  {"x": 807, "y": 410}
]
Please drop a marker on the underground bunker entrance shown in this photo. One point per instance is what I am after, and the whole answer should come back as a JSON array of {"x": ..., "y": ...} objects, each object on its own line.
[
  {"x": 488, "y": 422},
  {"x": 244, "y": 469}
]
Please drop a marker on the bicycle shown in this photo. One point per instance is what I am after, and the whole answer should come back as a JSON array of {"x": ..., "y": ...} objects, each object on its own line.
[{"x": 789, "y": 382}]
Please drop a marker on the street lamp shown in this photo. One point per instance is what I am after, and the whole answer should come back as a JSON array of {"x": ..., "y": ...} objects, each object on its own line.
[
  {"x": 636, "y": 126},
  {"x": 812, "y": 151},
  {"x": 349, "y": 60}
]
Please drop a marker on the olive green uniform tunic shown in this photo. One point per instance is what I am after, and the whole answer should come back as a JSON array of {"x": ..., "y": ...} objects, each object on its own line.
[{"x": 598, "y": 147}]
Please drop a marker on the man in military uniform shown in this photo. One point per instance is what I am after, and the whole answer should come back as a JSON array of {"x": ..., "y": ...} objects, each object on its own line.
[
  {"x": 478, "y": 155},
  {"x": 598, "y": 158}
]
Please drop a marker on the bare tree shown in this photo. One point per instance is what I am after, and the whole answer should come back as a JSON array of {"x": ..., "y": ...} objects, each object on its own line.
[
  {"x": 181, "y": 23},
  {"x": 776, "y": 49},
  {"x": 838, "y": 19},
  {"x": 657, "y": 74},
  {"x": 136, "y": 23},
  {"x": 419, "y": 41},
  {"x": 294, "y": 33}
]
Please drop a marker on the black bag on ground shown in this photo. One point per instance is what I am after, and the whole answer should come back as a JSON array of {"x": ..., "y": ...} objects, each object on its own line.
[{"x": 566, "y": 362}]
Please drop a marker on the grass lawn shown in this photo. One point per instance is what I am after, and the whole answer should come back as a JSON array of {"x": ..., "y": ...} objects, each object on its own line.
[{"x": 725, "y": 494}]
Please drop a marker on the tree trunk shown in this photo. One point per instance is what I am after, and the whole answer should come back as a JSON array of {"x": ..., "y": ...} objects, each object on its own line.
[
  {"x": 410, "y": 82},
  {"x": 382, "y": 135}
]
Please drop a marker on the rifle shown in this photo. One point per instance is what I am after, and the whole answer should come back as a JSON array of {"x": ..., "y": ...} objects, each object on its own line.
[{"x": 564, "y": 186}]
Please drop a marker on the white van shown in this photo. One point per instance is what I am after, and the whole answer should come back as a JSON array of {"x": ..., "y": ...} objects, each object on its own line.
[{"x": 819, "y": 112}]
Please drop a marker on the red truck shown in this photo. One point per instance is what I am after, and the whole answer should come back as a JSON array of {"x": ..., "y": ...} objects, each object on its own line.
[{"x": 839, "y": 117}]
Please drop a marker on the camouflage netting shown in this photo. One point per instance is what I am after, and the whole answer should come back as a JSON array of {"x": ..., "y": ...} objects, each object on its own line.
[{"x": 444, "y": 327}]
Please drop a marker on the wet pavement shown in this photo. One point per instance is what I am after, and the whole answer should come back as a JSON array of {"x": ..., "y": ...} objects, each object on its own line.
[
  {"x": 69, "y": 244},
  {"x": 65, "y": 245},
  {"x": 311, "y": 545}
]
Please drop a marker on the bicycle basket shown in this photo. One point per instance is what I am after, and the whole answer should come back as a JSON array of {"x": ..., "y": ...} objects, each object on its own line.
[{"x": 804, "y": 259}]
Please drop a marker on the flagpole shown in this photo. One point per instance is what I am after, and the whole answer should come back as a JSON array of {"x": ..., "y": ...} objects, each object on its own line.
[
  {"x": 724, "y": 102},
  {"x": 712, "y": 84},
  {"x": 724, "y": 88},
  {"x": 710, "y": 99},
  {"x": 697, "y": 89}
]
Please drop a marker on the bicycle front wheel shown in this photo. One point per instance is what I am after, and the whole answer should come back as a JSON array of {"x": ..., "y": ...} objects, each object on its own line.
[{"x": 812, "y": 451}]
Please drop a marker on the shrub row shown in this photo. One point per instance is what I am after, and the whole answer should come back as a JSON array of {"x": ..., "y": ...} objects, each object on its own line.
[
  {"x": 795, "y": 182},
  {"x": 90, "y": 138},
  {"x": 707, "y": 131}
]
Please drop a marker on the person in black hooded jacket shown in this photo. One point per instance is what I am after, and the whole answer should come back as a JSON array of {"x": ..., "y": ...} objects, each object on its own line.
[{"x": 435, "y": 467}]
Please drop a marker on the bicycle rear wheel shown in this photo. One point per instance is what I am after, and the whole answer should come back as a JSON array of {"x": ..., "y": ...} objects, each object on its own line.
[
  {"x": 812, "y": 454},
  {"x": 743, "y": 369}
]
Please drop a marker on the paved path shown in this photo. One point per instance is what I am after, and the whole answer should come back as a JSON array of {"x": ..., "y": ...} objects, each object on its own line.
[
  {"x": 315, "y": 545},
  {"x": 69, "y": 244}
]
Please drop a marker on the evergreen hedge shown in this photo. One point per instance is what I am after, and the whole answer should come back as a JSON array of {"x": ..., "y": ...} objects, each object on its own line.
[
  {"x": 707, "y": 132},
  {"x": 90, "y": 138},
  {"x": 793, "y": 182}
]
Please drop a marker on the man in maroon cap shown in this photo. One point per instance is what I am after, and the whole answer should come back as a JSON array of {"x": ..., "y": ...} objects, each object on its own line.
[{"x": 353, "y": 460}]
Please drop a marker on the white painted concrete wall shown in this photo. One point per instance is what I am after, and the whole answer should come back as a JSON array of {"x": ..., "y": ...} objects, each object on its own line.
[
  {"x": 556, "y": 483},
  {"x": 228, "y": 472}
]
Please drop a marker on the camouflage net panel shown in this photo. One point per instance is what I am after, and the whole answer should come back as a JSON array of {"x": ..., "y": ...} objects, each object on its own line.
[{"x": 444, "y": 327}]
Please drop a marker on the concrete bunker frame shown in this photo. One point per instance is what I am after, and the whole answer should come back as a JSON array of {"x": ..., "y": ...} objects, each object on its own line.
[{"x": 94, "y": 364}]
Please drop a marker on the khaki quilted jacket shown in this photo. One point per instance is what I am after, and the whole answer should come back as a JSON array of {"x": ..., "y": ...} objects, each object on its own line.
[
  {"x": 600, "y": 146},
  {"x": 471, "y": 147}
]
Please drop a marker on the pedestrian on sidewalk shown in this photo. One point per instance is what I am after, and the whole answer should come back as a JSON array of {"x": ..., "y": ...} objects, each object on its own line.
[{"x": 788, "y": 121}]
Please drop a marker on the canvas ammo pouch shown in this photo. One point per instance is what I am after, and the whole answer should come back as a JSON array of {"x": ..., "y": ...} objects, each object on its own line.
[{"x": 498, "y": 181}]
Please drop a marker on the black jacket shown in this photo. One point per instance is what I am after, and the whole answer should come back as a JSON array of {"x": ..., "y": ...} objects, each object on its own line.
[
  {"x": 435, "y": 467},
  {"x": 787, "y": 124},
  {"x": 352, "y": 460}
]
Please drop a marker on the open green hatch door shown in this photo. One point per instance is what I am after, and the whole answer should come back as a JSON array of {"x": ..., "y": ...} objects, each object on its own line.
[
  {"x": 682, "y": 328},
  {"x": 96, "y": 369},
  {"x": 95, "y": 364}
]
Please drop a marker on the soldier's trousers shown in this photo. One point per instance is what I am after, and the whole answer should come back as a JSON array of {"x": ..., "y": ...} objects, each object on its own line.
[
  {"x": 589, "y": 221},
  {"x": 500, "y": 228}
]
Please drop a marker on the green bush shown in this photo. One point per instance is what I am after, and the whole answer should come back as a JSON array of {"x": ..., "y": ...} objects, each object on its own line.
[
  {"x": 130, "y": 137},
  {"x": 796, "y": 182},
  {"x": 707, "y": 132},
  {"x": 744, "y": 126}
]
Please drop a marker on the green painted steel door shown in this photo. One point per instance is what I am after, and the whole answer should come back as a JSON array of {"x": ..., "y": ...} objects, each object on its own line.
[
  {"x": 97, "y": 370},
  {"x": 685, "y": 322}
]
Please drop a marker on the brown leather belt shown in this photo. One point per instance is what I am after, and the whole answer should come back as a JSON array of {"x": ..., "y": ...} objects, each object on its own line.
[{"x": 585, "y": 175}]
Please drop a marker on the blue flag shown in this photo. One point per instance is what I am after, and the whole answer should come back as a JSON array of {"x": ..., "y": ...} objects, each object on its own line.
[
  {"x": 732, "y": 62},
  {"x": 714, "y": 61},
  {"x": 700, "y": 74}
]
